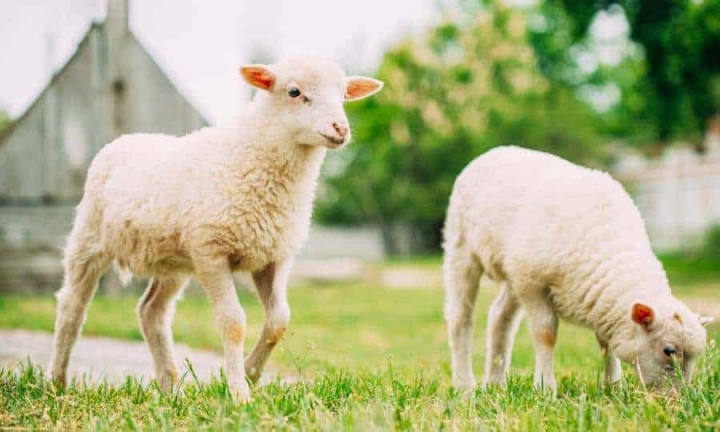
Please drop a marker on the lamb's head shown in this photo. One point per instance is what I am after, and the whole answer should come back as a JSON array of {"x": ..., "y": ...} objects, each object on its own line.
[
  {"x": 305, "y": 96},
  {"x": 666, "y": 341}
]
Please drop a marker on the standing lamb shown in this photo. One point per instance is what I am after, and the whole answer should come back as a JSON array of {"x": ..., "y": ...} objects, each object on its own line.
[
  {"x": 236, "y": 197},
  {"x": 563, "y": 241}
]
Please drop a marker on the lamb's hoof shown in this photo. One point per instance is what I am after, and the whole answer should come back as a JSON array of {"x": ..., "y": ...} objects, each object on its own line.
[
  {"x": 465, "y": 386},
  {"x": 59, "y": 381},
  {"x": 495, "y": 385},
  {"x": 242, "y": 397},
  {"x": 549, "y": 388},
  {"x": 241, "y": 393},
  {"x": 168, "y": 381}
]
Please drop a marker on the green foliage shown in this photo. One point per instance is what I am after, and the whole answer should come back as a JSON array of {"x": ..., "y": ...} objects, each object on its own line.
[
  {"x": 558, "y": 37},
  {"x": 467, "y": 86},
  {"x": 495, "y": 75},
  {"x": 680, "y": 40}
]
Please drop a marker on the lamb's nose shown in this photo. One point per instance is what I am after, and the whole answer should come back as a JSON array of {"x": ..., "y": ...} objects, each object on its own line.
[{"x": 341, "y": 130}]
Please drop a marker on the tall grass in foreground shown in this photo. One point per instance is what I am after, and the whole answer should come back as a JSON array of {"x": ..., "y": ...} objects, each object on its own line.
[{"x": 338, "y": 399}]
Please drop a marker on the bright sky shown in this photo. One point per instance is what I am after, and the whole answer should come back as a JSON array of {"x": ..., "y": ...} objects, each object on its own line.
[{"x": 200, "y": 44}]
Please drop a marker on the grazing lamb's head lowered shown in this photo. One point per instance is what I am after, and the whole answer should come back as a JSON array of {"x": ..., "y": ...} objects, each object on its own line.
[
  {"x": 306, "y": 95},
  {"x": 668, "y": 339}
]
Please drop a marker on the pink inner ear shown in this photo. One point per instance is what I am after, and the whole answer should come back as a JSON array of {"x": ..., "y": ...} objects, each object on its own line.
[
  {"x": 643, "y": 314},
  {"x": 359, "y": 87},
  {"x": 258, "y": 76}
]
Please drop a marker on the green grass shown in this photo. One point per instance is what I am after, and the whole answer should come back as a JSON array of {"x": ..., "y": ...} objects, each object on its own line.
[
  {"x": 356, "y": 400},
  {"x": 367, "y": 357},
  {"x": 348, "y": 326}
]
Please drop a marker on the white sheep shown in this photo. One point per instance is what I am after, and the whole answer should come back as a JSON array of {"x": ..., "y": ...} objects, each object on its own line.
[
  {"x": 236, "y": 197},
  {"x": 563, "y": 241}
]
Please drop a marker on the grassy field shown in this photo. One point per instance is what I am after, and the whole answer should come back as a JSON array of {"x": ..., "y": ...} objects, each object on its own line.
[{"x": 366, "y": 357}]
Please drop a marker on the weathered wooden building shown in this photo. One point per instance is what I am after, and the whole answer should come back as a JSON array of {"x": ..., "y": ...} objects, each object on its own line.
[{"x": 111, "y": 85}]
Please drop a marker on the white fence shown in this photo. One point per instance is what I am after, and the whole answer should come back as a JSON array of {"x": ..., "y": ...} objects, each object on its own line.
[{"x": 678, "y": 194}]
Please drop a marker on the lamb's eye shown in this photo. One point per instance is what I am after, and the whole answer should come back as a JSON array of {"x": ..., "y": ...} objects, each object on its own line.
[
  {"x": 294, "y": 92},
  {"x": 669, "y": 351}
]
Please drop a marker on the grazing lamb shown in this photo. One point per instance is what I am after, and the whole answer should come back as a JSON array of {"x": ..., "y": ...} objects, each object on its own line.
[
  {"x": 236, "y": 197},
  {"x": 563, "y": 241}
]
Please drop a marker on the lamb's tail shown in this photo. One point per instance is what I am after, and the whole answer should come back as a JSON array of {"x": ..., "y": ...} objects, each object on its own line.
[{"x": 123, "y": 273}]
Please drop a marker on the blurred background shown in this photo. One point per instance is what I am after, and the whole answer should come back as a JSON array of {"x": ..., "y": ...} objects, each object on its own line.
[{"x": 627, "y": 86}]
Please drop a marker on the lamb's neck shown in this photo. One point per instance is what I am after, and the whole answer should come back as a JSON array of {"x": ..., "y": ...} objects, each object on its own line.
[
  {"x": 622, "y": 280},
  {"x": 268, "y": 155}
]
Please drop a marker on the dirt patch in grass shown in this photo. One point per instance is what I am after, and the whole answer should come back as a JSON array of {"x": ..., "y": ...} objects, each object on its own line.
[{"x": 99, "y": 358}]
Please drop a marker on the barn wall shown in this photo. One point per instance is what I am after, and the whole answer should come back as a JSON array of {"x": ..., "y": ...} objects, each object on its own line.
[
  {"x": 21, "y": 155},
  {"x": 45, "y": 154},
  {"x": 32, "y": 238},
  {"x": 152, "y": 103},
  {"x": 47, "y": 151},
  {"x": 75, "y": 125}
]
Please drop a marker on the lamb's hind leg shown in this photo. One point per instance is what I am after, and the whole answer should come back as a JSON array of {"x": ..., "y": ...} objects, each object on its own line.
[
  {"x": 503, "y": 320},
  {"x": 155, "y": 312},
  {"x": 271, "y": 284},
  {"x": 462, "y": 277},
  {"x": 83, "y": 267}
]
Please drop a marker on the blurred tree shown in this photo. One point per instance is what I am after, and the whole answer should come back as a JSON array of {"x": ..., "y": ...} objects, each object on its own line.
[
  {"x": 470, "y": 84},
  {"x": 681, "y": 44},
  {"x": 572, "y": 58}
]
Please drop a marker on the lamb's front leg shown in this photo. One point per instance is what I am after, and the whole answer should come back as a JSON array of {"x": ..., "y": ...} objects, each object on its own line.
[
  {"x": 613, "y": 369},
  {"x": 215, "y": 277},
  {"x": 271, "y": 283},
  {"x": 543, "y": 328}
]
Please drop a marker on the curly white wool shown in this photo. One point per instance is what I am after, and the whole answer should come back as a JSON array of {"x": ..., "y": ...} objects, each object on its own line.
[
  {"x": 234, "y": 197},
  {"x": 564, "y": 241}
]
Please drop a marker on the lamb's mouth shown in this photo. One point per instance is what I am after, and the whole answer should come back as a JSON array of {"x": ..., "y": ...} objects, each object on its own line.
[
  {"x": 335, "y": 140},
  {"x": 669, "y": 369}
]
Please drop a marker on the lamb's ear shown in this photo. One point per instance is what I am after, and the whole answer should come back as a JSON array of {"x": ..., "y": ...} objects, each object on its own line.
[
  {"x": 258, "y": 75},
  {"x": 643, "y": 315},
  {"x": 706, "y": 320},
  {"x": 359, "y": 87}
]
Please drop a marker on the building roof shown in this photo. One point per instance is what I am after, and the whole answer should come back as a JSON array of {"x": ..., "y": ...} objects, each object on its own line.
[{"x": 59, "y": 72}]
